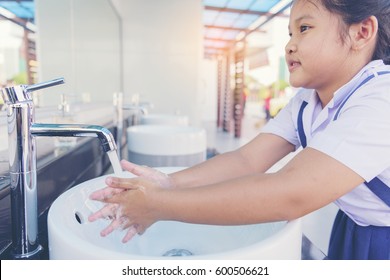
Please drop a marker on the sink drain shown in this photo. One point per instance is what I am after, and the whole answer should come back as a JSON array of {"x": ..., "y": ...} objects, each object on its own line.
[
  {"x": 177, "y": 253},
  {"x": 79, "y": 218}
]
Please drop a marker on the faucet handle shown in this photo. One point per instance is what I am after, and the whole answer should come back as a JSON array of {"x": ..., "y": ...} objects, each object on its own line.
[
  {"x": 43, "y": 85},
  {"x": 19, "y": 93}
]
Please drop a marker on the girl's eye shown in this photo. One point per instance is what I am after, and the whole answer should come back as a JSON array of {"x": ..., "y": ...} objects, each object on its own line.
[{"x": 304, "y": 28}]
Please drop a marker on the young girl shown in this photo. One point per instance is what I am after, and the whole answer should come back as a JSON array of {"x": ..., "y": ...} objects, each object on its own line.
[{"x": 338, "y": 54}]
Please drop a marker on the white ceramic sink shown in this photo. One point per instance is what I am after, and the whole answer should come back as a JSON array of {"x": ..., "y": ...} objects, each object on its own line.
[
  {"x": 71, "y": 236},
  {"x": 164, "y": 119},
  {"x": 166, "y": 145}
]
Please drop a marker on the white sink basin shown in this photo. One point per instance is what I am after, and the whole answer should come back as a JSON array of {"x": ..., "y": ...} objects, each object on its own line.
[
  {"x": 71, "y": 236},
  {"x": 164, "y": 119},
  {"x": 166, "y": 145}
]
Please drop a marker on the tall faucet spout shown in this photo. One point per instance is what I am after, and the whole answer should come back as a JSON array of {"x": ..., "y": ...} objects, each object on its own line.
[
  {"x": 76, "y": 130},
  {"x": 22, "y": 131}
]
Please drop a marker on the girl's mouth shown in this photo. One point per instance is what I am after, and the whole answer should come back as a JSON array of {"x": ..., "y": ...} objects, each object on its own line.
[{"x": 292, "y": 65}]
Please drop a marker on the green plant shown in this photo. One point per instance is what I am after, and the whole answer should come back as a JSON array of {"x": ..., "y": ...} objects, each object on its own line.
[{"x": 20, "y": 79}]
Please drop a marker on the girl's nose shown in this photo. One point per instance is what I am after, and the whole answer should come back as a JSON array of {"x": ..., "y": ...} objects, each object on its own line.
[{"x": 290, "y": 47}]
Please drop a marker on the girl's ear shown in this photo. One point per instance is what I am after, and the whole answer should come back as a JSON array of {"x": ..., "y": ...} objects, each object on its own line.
[{"x": 364, "y": 34}]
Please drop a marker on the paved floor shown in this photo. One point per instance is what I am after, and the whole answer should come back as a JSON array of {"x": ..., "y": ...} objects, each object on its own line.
[
  {"x": 252, "y": 123},
  {"x": 224, "y": 141}
]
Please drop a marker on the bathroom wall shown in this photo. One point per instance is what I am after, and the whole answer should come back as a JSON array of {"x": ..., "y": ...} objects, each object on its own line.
[
  {"x": 153, "y": 49},
  {"x": 80, "y": 41},
  {"x": 162, "y": 52}
]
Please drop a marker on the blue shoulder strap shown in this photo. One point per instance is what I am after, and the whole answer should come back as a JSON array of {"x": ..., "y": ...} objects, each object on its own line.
[
  {"x": 378, "y": 187},
  {"x": 301, "y": 131},
  {"x": 352, "y": 92}
]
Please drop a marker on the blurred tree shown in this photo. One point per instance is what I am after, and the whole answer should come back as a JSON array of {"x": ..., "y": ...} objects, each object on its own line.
[{"x": 20, "y": 79}]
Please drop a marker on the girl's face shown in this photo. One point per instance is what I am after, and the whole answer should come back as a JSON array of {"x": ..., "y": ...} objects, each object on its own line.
[{"x": 316, "y": 55}]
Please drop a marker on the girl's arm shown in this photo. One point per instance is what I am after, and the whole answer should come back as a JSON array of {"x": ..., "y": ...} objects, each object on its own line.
[
  {"x": 309, "y": 181},
  {"x": 255, "y": 157}
]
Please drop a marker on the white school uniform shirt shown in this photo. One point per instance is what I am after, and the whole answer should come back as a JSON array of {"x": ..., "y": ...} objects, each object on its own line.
[{"x": 359, "y": 138}]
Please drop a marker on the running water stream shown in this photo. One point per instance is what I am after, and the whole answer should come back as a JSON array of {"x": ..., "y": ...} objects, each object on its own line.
[
  {"x": 94, "y": 206},
  {"x": 113, "y": 156}
]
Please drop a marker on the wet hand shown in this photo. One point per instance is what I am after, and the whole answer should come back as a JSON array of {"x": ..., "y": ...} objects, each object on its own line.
[
  {"x": 128, "y": 205},
  {"x": 160, "y": 178}
]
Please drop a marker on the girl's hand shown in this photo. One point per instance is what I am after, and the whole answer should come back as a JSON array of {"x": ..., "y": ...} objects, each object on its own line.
[
  {"x": 162, "y": 179},
  {"x": 128, "y": 205}
]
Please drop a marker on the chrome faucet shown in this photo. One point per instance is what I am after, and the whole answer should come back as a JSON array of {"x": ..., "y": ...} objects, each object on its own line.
[
  {"x": 22, "y": 131},
  {"x": 64, "y": 105},
  {"x": 136, "y": 108}
]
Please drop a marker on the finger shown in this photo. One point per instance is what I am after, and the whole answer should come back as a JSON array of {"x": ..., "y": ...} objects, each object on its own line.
[
  {"x": 140, "y": 229},
  {"x": 115, "y": 224},
  {"x": 147, "y": 172},
  {"x": 136, "y": 169},
  {"x": 104, "y": 193},
  {"x": 122, "y": 183},
  {"x": 108, "y": 211},
  {"x": 131, "y": 232}
]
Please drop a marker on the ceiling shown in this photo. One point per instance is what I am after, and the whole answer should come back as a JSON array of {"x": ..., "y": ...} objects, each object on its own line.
[
  {"x": 22, "y": 9},
  {"x": 225, "y": 21},
  {"x": 228, "y": 21}
]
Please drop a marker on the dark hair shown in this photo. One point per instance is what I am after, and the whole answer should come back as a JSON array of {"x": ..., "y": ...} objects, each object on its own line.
[{"x": 358, "y": 10}]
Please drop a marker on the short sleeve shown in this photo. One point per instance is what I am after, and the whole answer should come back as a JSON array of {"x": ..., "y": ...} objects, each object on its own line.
[
  {"x": 283, "y": 124},
  {"x": 360, "y": 137}
]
